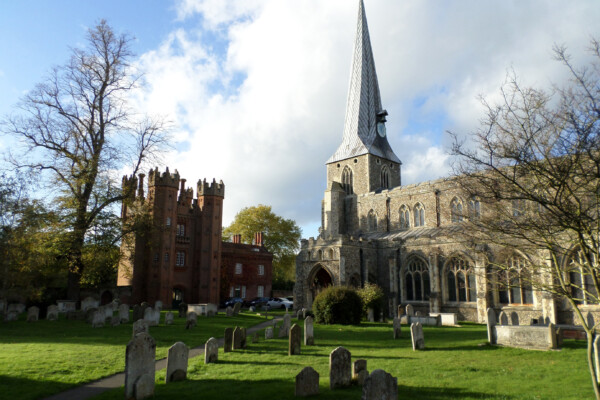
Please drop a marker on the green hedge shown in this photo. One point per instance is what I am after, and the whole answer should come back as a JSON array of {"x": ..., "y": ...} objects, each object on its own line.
[{"x": 338, "y": 305}]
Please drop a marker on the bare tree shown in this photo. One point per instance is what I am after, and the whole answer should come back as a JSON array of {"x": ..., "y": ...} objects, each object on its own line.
[
  {"x": 76, "y": 130},
  {"x": 534, "y": 166}
]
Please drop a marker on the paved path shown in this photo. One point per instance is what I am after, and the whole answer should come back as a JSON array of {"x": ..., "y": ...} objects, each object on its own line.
[{"x": 114, "y": 381}]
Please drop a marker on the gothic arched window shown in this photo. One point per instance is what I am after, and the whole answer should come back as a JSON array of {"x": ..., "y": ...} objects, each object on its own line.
[
  {"x": 514, "y": 282},
  {"x": 385, "y": 177},
  {"x": 404, "y": 217},
  {"x": 347, "y": 183},
  {"x": 456, "y": 210},
  {"x": 416, "y": 280},
  {"x": 580, "y": 267},
  {"x": 460, "y": 280},
  {"x": 419, "y": 212},
  {"x": 474, "y": 208},
  {"x": 372, "y": 221}
]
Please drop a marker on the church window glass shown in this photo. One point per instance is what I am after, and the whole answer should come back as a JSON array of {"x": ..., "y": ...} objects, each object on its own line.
[
  {"x": 474, "y": 208},
  {"x": 460, "y": 280},
  {"x": 419, "y": 212},
  {"x": 580, "y": 267},
  {"x": 347, "y": 183},
  {"x": 514, "y": 282},
  {"x": 456, "y": 210},
  {"x": 372, "y": 221},
  {"x": 385, "y": 177},
  {"x": 404, "y": 218},
  {"x": 416, "y": 278}
]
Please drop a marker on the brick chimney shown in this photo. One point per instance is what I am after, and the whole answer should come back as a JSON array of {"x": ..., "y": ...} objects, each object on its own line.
[
  {"x": 237, "y": 239},
  {"x": 258, "y": 239}
]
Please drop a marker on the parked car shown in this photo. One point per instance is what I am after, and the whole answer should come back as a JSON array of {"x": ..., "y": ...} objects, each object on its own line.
[
  {"x": 259, "y": 301},
  {"x": 286, "y": 302},
  {"x": 280, "y": 302},
  {"x": 231, "y": 302}
]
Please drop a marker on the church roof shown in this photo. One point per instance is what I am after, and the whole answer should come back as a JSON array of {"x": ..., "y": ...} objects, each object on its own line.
[{"x": 364, "y": 103}]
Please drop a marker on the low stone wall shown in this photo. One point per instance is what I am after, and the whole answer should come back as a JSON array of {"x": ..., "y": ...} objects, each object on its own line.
[
  {"x": 202, "y": 309},
  {"x": 447, "y": 319},
  {"x": 425, "y": 321},
  {"x": 526, "y": 337}
]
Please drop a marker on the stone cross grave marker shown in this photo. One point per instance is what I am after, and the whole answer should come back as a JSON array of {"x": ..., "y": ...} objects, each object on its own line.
[
  {"x": 177, "y": 362},
  {"x": 211, "y": 351},
  {"x": 169, "y": 318},
  {"x": 339, "y": 368},
  {"x": 269, "y": 333},
  {"x": 228, "y": 341},
  {"x": 416, "y": 333},
  {"x": 52, "y": 313},
  {"x": 140, "y": 326},
  {"x": 124, "y": 313},
  {"x": 397, "y": 327},
  {"x": 294, "y": 340},
  {"x": 307, "y": 382},
  {"x": 380, "y": 386},
  {"x": 139, "y": 367},
  {"x": 237, "y": 338},
  {"x": 309, "y": 336},
  {"x": 359, "y": 371},
  {"x": 33, "y": 314}
]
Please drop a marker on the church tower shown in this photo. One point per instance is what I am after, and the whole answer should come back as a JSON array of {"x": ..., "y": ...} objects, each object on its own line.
[{"x": 364, "y": 161}]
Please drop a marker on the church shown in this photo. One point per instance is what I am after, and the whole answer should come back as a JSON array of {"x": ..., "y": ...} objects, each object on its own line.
[{"x": 404, "y": 238}]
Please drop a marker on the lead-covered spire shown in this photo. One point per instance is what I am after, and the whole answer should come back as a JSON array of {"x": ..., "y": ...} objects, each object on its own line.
[{"x": 363, "y": 110}]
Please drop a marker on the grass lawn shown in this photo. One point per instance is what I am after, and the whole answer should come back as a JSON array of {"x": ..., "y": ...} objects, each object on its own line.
[
  {"x": 457, "y": 364},
  {"x": 46, "y": 357}
]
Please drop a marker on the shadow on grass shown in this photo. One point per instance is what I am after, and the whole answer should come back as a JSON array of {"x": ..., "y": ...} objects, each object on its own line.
[
  {"x": 432, "y": 393},
  {"x": 11, "y": 388}
]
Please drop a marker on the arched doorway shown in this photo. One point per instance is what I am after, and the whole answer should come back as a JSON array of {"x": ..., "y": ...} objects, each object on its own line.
[
  {"x": 177, "y": 298},
  {"x": 319, "y": 279},
  {"x": 106, "y": 297}
]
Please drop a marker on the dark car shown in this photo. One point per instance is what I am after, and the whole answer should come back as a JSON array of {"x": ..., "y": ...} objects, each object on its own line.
[
  {"x": 258, "y": 301},
  {"x": 231, "y": 302}
]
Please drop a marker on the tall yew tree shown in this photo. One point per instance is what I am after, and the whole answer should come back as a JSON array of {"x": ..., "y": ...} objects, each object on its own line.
[{"x": 76, "y": 130}]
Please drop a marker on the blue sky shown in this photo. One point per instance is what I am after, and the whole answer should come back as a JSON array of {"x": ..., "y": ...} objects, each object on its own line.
[{"x": 257, "y": 88}]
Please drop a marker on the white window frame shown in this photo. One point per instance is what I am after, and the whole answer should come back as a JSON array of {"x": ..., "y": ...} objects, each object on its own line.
[
  {"x": 238, "y": 268},
  {"x": 261, "y": 270},
  {"x": 260, "y": 291},
  {"x": 243, "y": 296},
  {"x": 180, "y": 261}
]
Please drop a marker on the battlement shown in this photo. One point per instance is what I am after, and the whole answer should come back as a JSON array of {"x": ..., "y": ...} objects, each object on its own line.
[
  {"x": 212, "y": 189},
  {"x": 155, "y": 178}
]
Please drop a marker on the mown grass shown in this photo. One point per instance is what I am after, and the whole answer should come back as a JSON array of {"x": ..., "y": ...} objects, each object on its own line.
[
  {"x": 457, "y": 364},
  {"x": 46, "y": 357}
]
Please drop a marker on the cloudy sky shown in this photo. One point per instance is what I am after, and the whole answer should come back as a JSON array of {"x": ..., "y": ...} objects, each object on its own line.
[{"x": 257, "y": 88}]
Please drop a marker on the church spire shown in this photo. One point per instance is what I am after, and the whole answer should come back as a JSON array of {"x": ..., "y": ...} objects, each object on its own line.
[{"x": 364, "y": 111}]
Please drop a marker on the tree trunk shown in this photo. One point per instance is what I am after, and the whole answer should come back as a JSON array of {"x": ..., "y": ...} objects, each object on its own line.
[{"x": 590, "y": 360}]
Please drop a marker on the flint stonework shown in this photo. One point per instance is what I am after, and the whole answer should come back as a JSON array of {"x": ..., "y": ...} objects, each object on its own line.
[
  {"x": 380, "y": 386},
  {"x": 139, "y": 367},
  {"x": 177, "y": 362},
  {"x": 340, "y": 369},
  {"x": 307, "y": 382},
  {"x": 309, "y": 337}
]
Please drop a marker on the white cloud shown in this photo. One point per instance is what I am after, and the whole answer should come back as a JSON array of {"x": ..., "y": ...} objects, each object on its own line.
[{"x": 266, "y": 112}]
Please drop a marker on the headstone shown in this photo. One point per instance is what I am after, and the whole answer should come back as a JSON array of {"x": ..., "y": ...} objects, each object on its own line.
[
  {"x": 89, "y": 315},
  {"x": 152, "y": 316},
  {"x": 211, "y": 351},
  {"x": 182, "y": 310},
  {"x": 12, "y": 315},
  {"x": 139, "y": 367},
  {"x": 284, "y": 331},
  {"x": 229, "y": 311},
  {"x": 169, "y": 317},
  {"x": 397, "y": 327},
  {"x": 158, "y": 305},
  {"x": 400, "y": 311},
  {"x": 252, "y": 309},
  {"x": 370, "y": 315},
  {"x": 307, "y": 382},
  {"x": 418, "y": 314},
  {"x": 64, "y": 306},
  {"x": 416, "y": 333},
  {"x": 294, "y": 340},
  {"x": 597, "y": 355},
  {"x": 115, "y": 320},
  {"x": 19, "y": 308},
  {"x": 339, "y": 368},
  {"x": 491, "y": 323},
  {"x": 89, "y": 302},
  {"x": 33, "y": 314},
  {"x": 502, "y": 318},
  {"x": 269, "y": 333},
  {"x": 237, "y": 338},
  {"x": 228, "y": 340},
  {"x": 236, "y": 308},
  {"x": 309, "y": 337},
  {"x": 255, "y": 337},
  {"x": 177, "y": 362},
  {"x": 98, "y": 319},
  {"x": 108, "y": 312},
  {"x": 137, "y": 312},
  {"x": 191, "y": 320},
  {"x": 124, "y": 313},
  {"x": 243, "y": 340},
  {"x": 52, "y": 313},
  {"x": 380, "y": 386},
  {"x": 409, "y": 310},
  {"x": 359, "y": 371},
  {"x": 300, "y": 314},
  {"x": 140, "y": 326}
]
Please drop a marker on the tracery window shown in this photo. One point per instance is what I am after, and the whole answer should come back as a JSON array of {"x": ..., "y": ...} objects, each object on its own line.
[
  {"x": 514, "y": 282},
  {"x": 404, "y": 217},
  {"x": 372, "y": 221},
  {"x": 347, "y": 183},
  {"x": 385, "y": 177},
  {"x": 456, "y": 210},
  {"x": 460, "y": 280},
  {"x": 580, "y": 268},
  {"x": 474, "y": 208},
  {"x": 419, "y": 212},
  {"x": 416, "y": 280}
]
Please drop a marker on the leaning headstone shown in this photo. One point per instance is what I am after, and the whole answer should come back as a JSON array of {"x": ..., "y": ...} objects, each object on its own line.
[
  {"x": 294, "y": 340},
  {"x": 491, "y": 324},
  {"x": 182, "y": 310},
  {"x": 397, "y": 327},
  {"x": 211, "y": 351},
  {"x": 140, "y": 326},
  {"x": 307, "y": 382},
  {"x": 177, "y": 362},
  {"x": 98, "y": 319},
  {"x": 236, "y": 308},
  {"x": 370, "y": 315},
  {"x": 33, "y": 314},
  {"x": 158, "y": 305},
  {"x": 339, "y": 368},
  {"x": 409, "y": 310},
  {"x": 228, "y": 341},
  {"x": 359, "y": 371},
  {"x": 269, "y": 333},
  {"x": 380, "y": 386},
  {"x": 124, "y": 313},
  {"x": 169, "y": 317},
  {"x": 191, "y": 320},
  {"x": 416, "y": 333},
  {"x": 284, "y": 331},
  {"x": 229, "y": 311},
  {"x": 89, "y": 302},
  {"x": 237, "y": 338},
  {"x": 152, "y": 316},
  {"x": 52, "y": 313},
  {"x": 309, "y": 337},
  {"x": 502, "y": 318},
  {"x": 139, "y": 367}
]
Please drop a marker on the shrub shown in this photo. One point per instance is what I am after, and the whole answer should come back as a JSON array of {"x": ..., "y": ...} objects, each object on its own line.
[
  {"x": 372, "y": 297},
  {"x": 338, "y": 305}
]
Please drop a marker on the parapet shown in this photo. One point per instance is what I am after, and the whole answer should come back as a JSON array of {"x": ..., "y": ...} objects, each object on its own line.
[
  {"x": 155, "y": 178},
  {"x": 212, "y": 189}
]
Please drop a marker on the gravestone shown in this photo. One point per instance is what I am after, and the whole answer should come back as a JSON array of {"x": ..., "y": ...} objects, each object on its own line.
[
  {"x": 299, "y": 315},
  {"x": 252, "y": 309},
  {"x": 152, "y": 316},
  {"x": 255, "y": 337},
  {"x": 491, "y": 323},
  {"x": 229, "y": 311},
  {"x": 294, "y": 340},
  {"x": 211, "y": 351},
  {"x": 139, "y": 367},
  {"x": 409, "y": 310},
  {"x": 89, "y": 315},
  {"x": 169, "y": 317},
  {"x": 140, "y": 326},
  {"x": 370, "y": 315},
  {"x": 236, "y": 308},
  {"x": 177, "y": 362},
  {"x": 285, "y": 327},
  {"x": 416, "y": 333},
  {"x": 191, "y": 320},
  {"x": 359, "y": 371},
  {"x": 158, "y": 305},
  {"x": 243, "y": 341},
  {"x": 237, "y": 338},
  {"x": 33, "y": 314},
  {"x": 417, "y": 314},
  {"x": 98, "y": 319},
  {"x": 502, "y": 318},
  {"x": 19, "y": 308},
  {"x": 339, "y": 368},
  {"x": 307, "y": 382},
  {"x": 400, "y": 311},
  {"x": 269, "y": 333},
  {"x": 52, "y": 313},
  {"x": 380, "y": 386},
  {"x": 89, "y": 302},
  {"x": 397, "y": 327},
  {"x": 137, "y": 312},
  {"x": 108, "y": 312},
  {"x": 182, "y": 310},
  {"x": 124, "y": 313},
  {"x": 12, "y": 316},
  {"x": 309, "y": 337},
  {"x": 115, "y": 320},
  {"x": 597, "y": 354},
  {"x": 228, "y": 340}
]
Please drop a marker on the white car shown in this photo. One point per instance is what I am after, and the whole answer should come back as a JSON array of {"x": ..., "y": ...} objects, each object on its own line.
[{"x": 280, "y": 302}]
